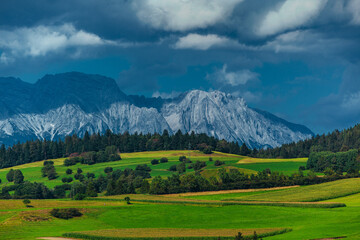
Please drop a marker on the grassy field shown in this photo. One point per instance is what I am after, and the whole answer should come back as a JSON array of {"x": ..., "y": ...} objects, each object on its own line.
[
  {"x": 32, "y": 171},
  {"x": 324, "y": 191},
  {"x": 204, "y": 214},
  {"x": 18, "y": 222}
]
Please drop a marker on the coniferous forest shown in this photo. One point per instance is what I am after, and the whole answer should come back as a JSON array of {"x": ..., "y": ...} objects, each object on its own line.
[{"x": 336, "y": 141}]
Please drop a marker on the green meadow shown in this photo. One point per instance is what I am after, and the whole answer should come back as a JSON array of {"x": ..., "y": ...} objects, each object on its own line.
[
  {"x": 32, "y": 171},
  {"x": 210, "y": 214}
]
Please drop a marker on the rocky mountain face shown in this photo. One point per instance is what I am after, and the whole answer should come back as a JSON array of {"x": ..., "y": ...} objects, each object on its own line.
[{"x": 63, "y": 104}]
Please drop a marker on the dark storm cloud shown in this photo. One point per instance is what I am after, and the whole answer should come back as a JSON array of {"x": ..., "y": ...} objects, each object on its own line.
[{"x": 265, "y": 51}]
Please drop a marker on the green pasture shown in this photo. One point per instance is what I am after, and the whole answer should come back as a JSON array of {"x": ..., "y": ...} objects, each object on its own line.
[
  {"x": 318, "y": 192},
  {"x": 32, "y": 171},
  {"x": 307, "y": 223}
]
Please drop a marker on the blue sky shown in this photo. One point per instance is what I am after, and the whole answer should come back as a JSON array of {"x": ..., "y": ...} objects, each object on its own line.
[{"x": 299, "y": 59}]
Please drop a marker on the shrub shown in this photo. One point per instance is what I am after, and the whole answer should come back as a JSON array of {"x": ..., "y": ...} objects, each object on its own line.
[
  {"x": 219, "y": 163},
  {"x": 18, "y": 177},
  {"x": 164, "y": 160},
  {"x": 108, "y": 170},
  {"x": 68, "y": 171},
  {"x": 210, "y": 159},
  {"x": 72, "y": 161},
  {"x": 79, "y": 196},
  {"x": 154, "y": 161},
  {"x": 172, "y": 168},
  {"x": 90, "y": 175},
  {"x": 79, "y": 177},
  {"x": 10, "y": 175},
  {"x": 127, "y": 199},
  {"x": 65, "y": 213},
  {"x": 67, "y": 179},
  {"x": 207, "y": 150},
  {"x": 198, "y": 165}
]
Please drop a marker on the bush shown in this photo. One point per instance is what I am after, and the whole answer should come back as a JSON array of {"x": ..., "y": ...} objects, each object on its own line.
[
  {"x": 154, "y": 161},
  {"x": 172, "y": 168},
  {"x": 210, "y": 159},
  {"x": 67, "y": 179},
  {"x": 65, "y": 213},
  {"x": 68, "y": 171},
  {"x": 127, "y": 199},
  {"x": 219, "y": 163},
  {"x": 79, "y": 196},
  {"x": 198, "y": 165},
  {"x": 108, "y": 170},
  {"x": 79, "y": 177},
  {"x": 207, "y": 150},
  {"x": 90, "y": 175},
  {"x": 72, "y": 161},
  {"x": 164, "y": 160}
]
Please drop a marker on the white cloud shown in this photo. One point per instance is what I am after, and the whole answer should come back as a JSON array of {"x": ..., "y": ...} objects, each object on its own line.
[
  {"x": 5, "y": 59},
  {"x": 354, "y": 8},
  {"x": 41, "y": 40},
  {"x": 183, "y": 15},
  {"x": 351, "y": 102},
  {"x": 291, "y": 14},
  {"x": 163, "y": 95},
  {"x": 307, "y": 41},
  {"x": 236, "y": 78},
  {"x": 202, "y": 42}
]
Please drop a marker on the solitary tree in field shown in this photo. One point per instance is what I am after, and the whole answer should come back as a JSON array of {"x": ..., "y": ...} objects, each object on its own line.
[
  {"x": 127, "y": 199},
  {"x": 26, "y": 202}
]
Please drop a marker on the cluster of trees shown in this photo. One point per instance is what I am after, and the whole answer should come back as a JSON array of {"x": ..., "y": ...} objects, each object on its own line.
[
  {"x": 15, "y": 176},
  {"x": 27, "y": 190},
  {"x": 114, "y": 183},
  {"x": 110, "y": 154},
  {"x": 49, "y": 170},
  {"x": 337, "y": 141},
  {"x": 233, "y": 179},
  {"x": 162, "y": 160},
  {"x": 32, "y": 151},
  {"x": 348, "y": 161}
]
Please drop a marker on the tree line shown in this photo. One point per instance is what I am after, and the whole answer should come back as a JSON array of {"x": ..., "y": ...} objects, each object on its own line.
[{"x": 336, "y": 141}]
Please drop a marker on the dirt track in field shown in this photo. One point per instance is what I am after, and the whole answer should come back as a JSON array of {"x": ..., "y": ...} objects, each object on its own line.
[
  {"x": 226, "y": 191},
  {"x": 57, "y": 238}
]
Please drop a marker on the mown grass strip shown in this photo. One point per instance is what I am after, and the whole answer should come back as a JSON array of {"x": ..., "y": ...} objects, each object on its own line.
[
  {"x": 312, "y": 193},
  {"x": 249, "y": 237},
  {"x": 231, "y": 202},
  {"x": 291, "y": 204}
]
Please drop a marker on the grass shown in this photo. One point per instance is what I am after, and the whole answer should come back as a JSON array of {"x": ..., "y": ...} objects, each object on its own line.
[
  {"x": 102, "y": 215},
  {"x": 247, "y": 160},
  {"x": 204, "y": 213},
  {"x": 324, "y": 191},
  {"x": 172, "y": 232},
  {"x": 32, "y": 171},
  {"x": 307, "y": 223}
]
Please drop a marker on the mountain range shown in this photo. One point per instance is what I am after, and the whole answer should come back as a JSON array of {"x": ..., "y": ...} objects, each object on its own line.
[{"x": 73, "y": 103}]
